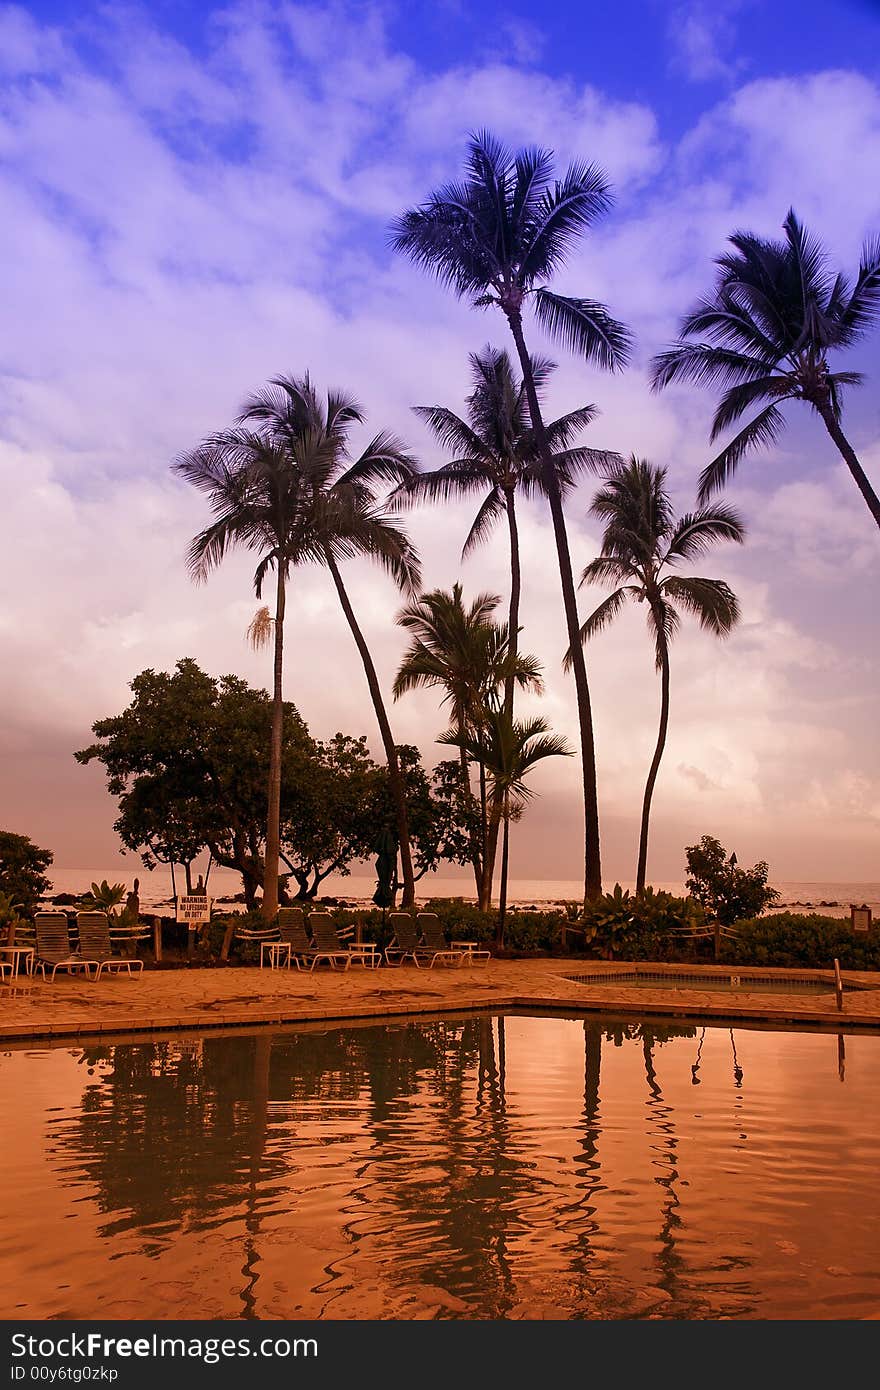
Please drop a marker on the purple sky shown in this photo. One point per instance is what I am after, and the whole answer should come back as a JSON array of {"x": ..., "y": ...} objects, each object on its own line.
[{"x": 190, "y": 208}]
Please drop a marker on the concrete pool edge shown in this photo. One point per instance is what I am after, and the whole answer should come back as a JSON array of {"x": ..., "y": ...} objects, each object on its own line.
[{"x": 206, "y": 1000}]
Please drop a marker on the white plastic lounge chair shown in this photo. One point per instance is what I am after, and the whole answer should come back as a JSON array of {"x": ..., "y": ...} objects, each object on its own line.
[
  {"x": 328, "y": 945},
  {"x": 434, "y": 937},
  {"x": 94, "y": 942},
  {"x": 292, "y": 930},
  {"x": 407, "y": 945},
  {"x": 53, "y": 946}
]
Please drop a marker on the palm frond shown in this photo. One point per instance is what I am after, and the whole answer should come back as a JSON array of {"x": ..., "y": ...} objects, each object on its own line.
[
  {"x": 606, "y": 612},
  {"x": 698, "y": 531},
  {"x": 261, "y": 629},
  {"x": 585, "y": 327},
  {"x": 484, "y": 522},
  {"x": 711, "y": 601},
  {"x": 764, "y": 429}
]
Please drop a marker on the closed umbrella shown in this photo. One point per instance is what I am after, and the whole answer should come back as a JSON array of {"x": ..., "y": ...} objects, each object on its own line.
[{"x": 386, "y": 871}]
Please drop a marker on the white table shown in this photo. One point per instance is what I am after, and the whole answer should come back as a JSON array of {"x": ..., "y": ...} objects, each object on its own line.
[
  {"x": 279, "y": 953},
  {"x": 366, "y": 954},
  {"x": 16, "y": 954},
  {"x": 468, "y": 947}
]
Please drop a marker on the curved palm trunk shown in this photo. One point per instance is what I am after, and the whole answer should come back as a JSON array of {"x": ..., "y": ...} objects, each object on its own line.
[
  {"x": 655, "y": 764},
  {"x": 592, "y": 857},
  {"x": 476, "y": 859},
  {"x": 394, "y": 778},
  {"x": 273, "y": 825},
  {"x": 505, "y": 860},
  {"x": 515, "y": 583},
  {"x": 496, "y": 813},
  {"x": 849, "y": 457}
]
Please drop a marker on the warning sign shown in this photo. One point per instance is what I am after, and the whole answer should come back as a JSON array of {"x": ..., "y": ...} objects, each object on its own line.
[{"x": 193, "y": 907}]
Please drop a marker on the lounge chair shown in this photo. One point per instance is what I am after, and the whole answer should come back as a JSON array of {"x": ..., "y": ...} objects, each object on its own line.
[
  {"x": 328, "y": 945},
  {"x": 292, "y": 931},
  {"x": 408, "y": 945},
  {"x": 94, "y": 941},
  {"x": 434, "y": 937},
  {"x": 53, "y": 946},
  {"x": 5, "y": 969}
]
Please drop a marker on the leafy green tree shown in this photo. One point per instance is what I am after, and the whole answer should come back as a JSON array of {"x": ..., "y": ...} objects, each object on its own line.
[
  {"x": 730, "y": 893},
  {"x": 641, "y": 546},
  {"x": 764, "y": 335},
  {"x": 344, "y": 518},
  {"x": 22, "y": 870},
  {"x": 498, "y": 237},
  {"x": 187, "y": 760}
]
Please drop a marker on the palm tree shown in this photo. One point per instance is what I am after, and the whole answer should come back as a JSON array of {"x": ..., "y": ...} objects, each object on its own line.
[
  {"x": 495, "y": 454},
  {"x": 260, "y": 504},
  {"x": 775, "y": 314},
  {"x": 280, "y": 491},
  {"x": 509, "y": 750},
  {"x": 465, "y": 653},
  {"x": 641, "y": 543},
  {"x": 497, "y": 238},
  {"x": 347, "y": 519}
]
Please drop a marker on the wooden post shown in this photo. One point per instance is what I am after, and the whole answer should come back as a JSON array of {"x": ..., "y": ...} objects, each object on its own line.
[
  {"x": 157, "y": 938},
  {"x": 838, "y": 984}
]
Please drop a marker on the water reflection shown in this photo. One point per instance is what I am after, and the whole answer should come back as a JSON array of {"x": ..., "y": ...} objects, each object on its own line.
[{"x": 450, "y": 1168}]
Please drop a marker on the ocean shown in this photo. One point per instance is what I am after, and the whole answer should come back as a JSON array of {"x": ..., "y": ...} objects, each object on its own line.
[{"x": 832, "y": 898}]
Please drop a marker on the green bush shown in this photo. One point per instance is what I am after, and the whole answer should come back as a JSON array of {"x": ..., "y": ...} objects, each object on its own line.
[
  {"x": 625, "y": 927},
  {"x": 805, "y": 939},
  {"x": 462, "y": 921}
]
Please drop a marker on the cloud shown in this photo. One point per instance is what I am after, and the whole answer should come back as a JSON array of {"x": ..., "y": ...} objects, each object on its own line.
[
  {"x": 702, "y": 37},
  {"x": 179, "y": 226}
]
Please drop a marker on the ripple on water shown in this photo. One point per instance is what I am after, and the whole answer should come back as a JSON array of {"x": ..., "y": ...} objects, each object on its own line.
[{"x": 523, "y": 1168}]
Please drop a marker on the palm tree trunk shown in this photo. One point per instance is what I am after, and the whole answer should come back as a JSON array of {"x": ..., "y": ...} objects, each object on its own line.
[
  {"x": 476, "y": 860},
  {"x": 849, "y": 457},
  {"x": 642, "y": 869},
  {"x": 273, "y": 826},
  {"x": 505, "y": 859},
  {"x": 395, "y": 779},
  {"x": 509, "y": 688},
  {"x": 515, "y": 582},
  {"x": 592, "y": 857}
]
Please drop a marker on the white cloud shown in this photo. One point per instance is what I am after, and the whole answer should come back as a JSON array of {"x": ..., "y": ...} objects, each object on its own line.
[{"x": 178, "y": 229}]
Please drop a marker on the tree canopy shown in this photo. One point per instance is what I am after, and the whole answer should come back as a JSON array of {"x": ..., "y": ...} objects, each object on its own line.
[{"x": 188, "y": 760}]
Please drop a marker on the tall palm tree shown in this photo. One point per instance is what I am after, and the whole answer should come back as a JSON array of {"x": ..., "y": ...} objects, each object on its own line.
[
  {"x": 260, "y": 504},
  {"x": 464, "y": 652},
  {"x": 497, "y": 238},
  {"x": 347, "y": 520},
  {"x": 273, "y": 491},
  {"x": 642, "y": 542},
  {"x": 494, "y": 453},
  {"x": 509, "y": 750},
  {"x": 770, "y": 323}
]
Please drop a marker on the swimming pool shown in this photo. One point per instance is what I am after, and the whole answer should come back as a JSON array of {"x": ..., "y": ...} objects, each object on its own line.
[{"x": 467, "y": 1167}]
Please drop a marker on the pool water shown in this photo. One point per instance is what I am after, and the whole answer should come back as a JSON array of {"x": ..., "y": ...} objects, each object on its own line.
[
  {"x": 462, "y": 1168},
  {"x": 744, "y": 984}
]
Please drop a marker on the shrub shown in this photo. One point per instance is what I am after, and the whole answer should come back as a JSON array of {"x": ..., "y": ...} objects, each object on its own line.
[
  {"x": 623, "y": 926},
  {"x": 729, "y": 892},
  {"x": 805, "y": 939}
]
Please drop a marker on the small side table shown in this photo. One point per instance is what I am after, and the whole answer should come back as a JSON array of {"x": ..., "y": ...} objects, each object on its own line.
[
  {"x": 278, "y": 952},
  {"x": 367, "y": 954},
  {"x": 16, "y": 954},
  {"x": 468, "y": 948}
]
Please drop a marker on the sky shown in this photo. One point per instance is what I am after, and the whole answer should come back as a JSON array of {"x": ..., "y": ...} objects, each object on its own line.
[{"x": 194, "y": 198}]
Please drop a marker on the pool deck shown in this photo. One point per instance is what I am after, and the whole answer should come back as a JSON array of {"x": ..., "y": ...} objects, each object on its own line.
[{"x": 197, "y": 998}]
